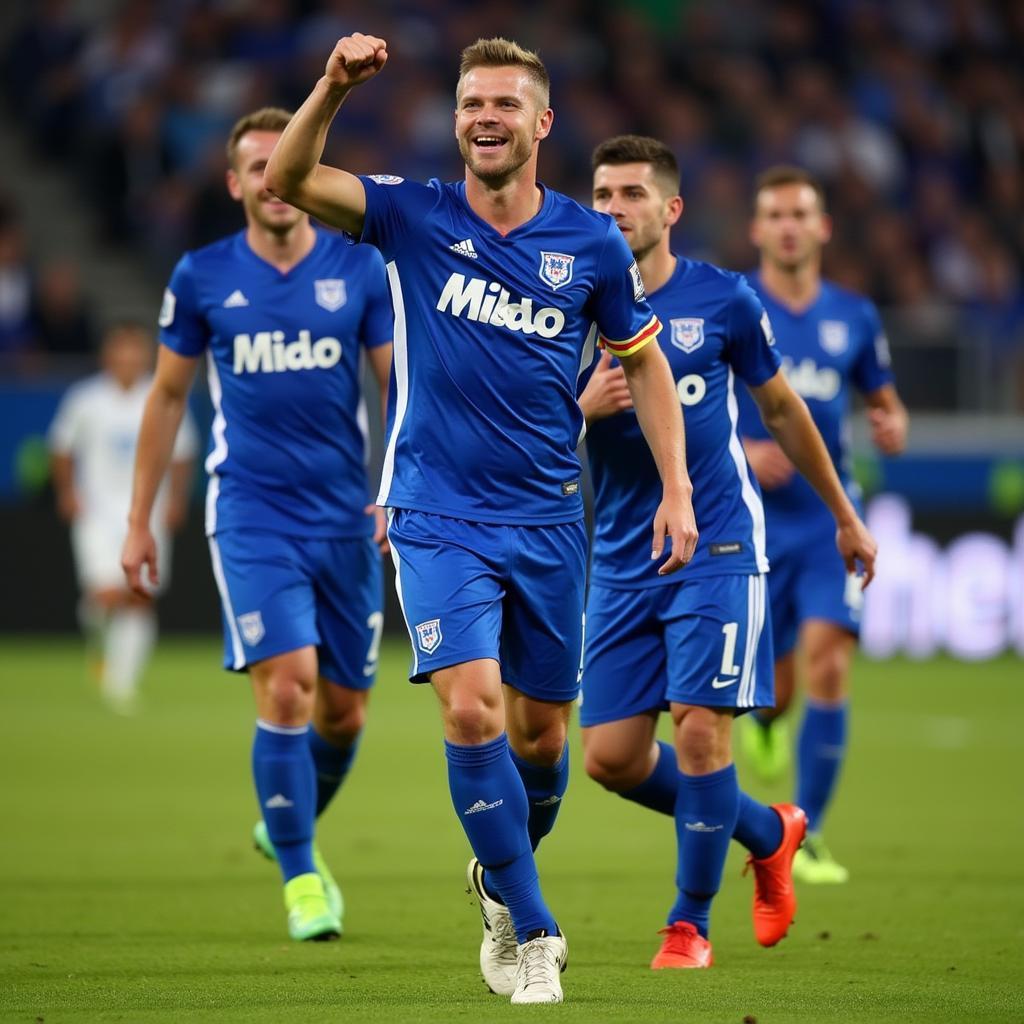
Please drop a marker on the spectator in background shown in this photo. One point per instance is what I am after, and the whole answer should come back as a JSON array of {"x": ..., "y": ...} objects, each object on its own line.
[
  {"x": 92, "y": 441},
  {"x": 62, "y": 320},
  {"x": 15, "y": 284}
]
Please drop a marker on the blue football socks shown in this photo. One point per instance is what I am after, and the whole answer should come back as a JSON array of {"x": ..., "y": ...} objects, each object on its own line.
[
  {"x": 658, "y": 790},
  {"x": 758, "y": 827},
  {"x": 331, "y": 764},
  {"x": 286, "y": 786},
  {"x": 490, "y": 801},
  {"x": 820, "y": 751},
  {"x": 706, "y": 809},
  {"x": 545, "y": 787}
]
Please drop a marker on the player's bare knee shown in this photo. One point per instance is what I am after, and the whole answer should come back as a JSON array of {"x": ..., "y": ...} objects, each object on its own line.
[
  {"x": 286, "y": 698},
  {"x": 702, "y": 739},
  {"x": 827, "y": 675},
  {"x": 544, "y": 748},
  {"x": 471, "y": 722},
  {"x": 616, "y": 771}
]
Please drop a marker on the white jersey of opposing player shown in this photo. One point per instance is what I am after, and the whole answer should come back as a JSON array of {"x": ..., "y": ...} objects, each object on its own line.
[{"x": 97, "y": 424}]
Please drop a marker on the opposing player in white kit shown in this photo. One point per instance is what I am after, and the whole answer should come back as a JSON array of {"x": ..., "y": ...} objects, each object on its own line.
[{"x": 92, "y": 444}]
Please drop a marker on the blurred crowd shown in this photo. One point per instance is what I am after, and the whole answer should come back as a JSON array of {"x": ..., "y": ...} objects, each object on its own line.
[{"x": 912, "y": 113}]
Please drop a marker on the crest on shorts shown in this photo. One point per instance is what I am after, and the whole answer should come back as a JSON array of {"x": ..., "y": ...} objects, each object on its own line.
[
  {"x": 251, "y": 626},
  {"x": 330, "y": 294},
  {"x": 556, "y": 269},
  {"x": 688, "y": 333},
  {"x": 428, "y": 635},
  {"x": 834, "y": 336}
]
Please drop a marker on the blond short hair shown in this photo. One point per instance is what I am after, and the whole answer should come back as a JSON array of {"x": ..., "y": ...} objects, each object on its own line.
[
  {"x": 504, "y": 53},
  {"x": 266, "y": 119}
]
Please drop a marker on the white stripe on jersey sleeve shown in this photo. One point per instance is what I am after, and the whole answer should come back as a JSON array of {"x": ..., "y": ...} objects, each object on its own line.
[
  {"x": 750, "y": 496},
  {"x": 400, "y": 361}
]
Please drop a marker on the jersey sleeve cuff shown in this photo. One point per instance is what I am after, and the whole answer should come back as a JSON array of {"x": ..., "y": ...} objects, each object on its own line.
[{"x": 631, "y": 346}]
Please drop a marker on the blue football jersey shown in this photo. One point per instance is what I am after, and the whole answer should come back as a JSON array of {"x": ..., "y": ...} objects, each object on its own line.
[
  {"x": 715, "y": 331},
  {"x": 837, "y": 341},
  {"x": 283, "y": 359},
  {"x": 491, "y": 335}
]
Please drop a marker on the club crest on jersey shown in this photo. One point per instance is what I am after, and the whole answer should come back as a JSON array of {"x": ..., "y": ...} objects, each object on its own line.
[
  {"x": 556, "y": 269},
  {"x": 330, "y": 294},
  {"x": 386, "y": 179},
  {"x": 688, "y": 333},
  {"x": 251, "y": 626},
  {"x": 834, "y": 336},
  {"x": 428, "y": 635}
]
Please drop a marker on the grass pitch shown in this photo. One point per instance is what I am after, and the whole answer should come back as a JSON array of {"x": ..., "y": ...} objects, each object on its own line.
[{"x": 129, "y": 890}]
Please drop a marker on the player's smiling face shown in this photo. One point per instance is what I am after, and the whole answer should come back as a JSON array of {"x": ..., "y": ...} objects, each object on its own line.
[
  {"x": 631, "y": 194},
  {"x": 789, "y": 224},
  {"x": 499, "y": 120},
  {"x": 245, "y": 183}
]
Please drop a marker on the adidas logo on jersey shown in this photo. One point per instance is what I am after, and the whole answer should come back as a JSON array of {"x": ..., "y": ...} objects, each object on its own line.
[
  {"x": 267, "y": 352},
  {"x": 809, "y": 380},
  {"x": 465, "y": 248},
  {"x": 488, "y": 303},
  {"x": 235, "y": 299}
]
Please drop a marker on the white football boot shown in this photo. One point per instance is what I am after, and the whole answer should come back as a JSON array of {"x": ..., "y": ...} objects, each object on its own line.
[
  {"x": 498, "y": 947},
  {"x": 539, "y": 965}
]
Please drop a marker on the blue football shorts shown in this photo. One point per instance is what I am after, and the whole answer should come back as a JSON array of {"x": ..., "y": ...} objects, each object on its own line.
[
  {"x": 477, "y": 590},
  {"x": 705, "y": 641},
  {"x": 809, "y": 581},
  {"x": 280, "y": 593}
]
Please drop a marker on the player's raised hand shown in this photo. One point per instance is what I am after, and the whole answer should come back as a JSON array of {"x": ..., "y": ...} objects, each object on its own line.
[
  {"x": 674, "y": 519},
  {"x": 355, "y": 59},
  {"x": 606, "y": 392},
  {"x": 858, "y": 548},
  {"x": 139, "y": 551},
  {"x": 769, "y": 463},
  {"x": 889, "y": 429}
]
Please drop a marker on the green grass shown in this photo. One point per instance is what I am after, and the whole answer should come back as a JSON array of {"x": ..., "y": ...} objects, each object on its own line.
[{"x": 129, "y": 892}]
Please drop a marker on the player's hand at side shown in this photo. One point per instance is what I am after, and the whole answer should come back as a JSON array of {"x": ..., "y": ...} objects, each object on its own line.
[
  {"x": 888, "y": 430},
  {"x": 380, "y": 528},
  {"x": 606, "y": 392},
  {"x": 355, "y": 59},
  {"x": 858, "y": 548},
  {"x": 139, "y": 552},
  {"x": 769, "y": 463},
  {"x": 674, "y": 519}
]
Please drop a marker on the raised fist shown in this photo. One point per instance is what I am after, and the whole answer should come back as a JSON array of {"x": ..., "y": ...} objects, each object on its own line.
[{"x": 355, "y": 59}]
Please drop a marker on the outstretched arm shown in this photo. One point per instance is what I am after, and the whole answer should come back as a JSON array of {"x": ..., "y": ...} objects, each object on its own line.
[
  {"x": 786, "y": 415},
  {"x": 294, "y": 172},
  {"x": 661, "y": 419}
]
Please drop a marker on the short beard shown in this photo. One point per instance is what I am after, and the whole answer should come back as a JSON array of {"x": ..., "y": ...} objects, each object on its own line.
[{"x": 497, "y": 177}]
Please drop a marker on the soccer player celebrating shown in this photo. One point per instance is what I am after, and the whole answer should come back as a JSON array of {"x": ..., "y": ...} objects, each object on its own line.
[
  {"x": 694, "y": 643},
  {"x": 283, "y": 312},
  {"x": 480, "y": 475},
  {"x": 92, "y": 443},
  {"x": 828, "y": 339}
]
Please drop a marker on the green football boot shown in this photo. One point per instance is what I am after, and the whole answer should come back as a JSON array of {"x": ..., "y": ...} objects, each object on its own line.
[
  {"x": 335, "y": 901},
  {"x": 815, "y": 865},
  {"x": 766, "y": 747},
  {"x": 309, "y": 917}
]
